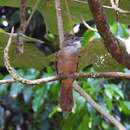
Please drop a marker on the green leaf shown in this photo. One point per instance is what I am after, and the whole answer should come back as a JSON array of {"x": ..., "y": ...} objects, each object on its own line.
[
  {"x": 114, "y": 28},
  {"x": 93, "y": 86},
  {"x": 122, "y": 31},
  {"x": 79, "y": 101},
  {"x": 54, "y": 110},
  {"x": 85, "y": 124},
  {"x": 27, "y": 93},
  {"x": 73, "y": 120},
  {"x": 20, "y": 72},
  {"x": 105, "y": 125},
  {"x": 125, "y": 107},
  {"x": 109, "y": 91},
  {"x": 118, "y": 91},
  {"x": 16, "y": 88},
  {"x": 3, "y": 89},
  {"x": 86, "y": 37},
  {"x": 108, "y": 103},
  {"x": 31, "y": 74},
  {"x": 112, "y": 90},
  {"x": 2, "y": 118},
  {"x": 54, "y": 91},
  {"x": 38, "y": 100},
  {"x": 50, "y": 70}
]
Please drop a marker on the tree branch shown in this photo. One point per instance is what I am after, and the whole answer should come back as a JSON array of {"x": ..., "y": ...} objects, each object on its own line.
[
  {"x": 122, "y": 11},
  {"x": 32, "y": 13},
  {"x": 110, "y": 42},
  {"x": 98, "y": 107},
  {"x": 108, "y": 39},
  {"x": 11, "y": 71},
  {"x": 20, "y": 40},
  {"x": 59, "y": 22},
  {"x": 16, "y": 77},
  {"x": 22, "y": 15}
]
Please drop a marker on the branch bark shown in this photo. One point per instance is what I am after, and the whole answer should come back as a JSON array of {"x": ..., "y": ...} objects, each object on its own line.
[
  {"x": 20, "y": 40},
  {"x": 59, "y": 22},
  {"x": 98, "y": 107}
]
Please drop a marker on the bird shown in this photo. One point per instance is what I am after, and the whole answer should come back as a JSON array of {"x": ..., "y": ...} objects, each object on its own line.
[{"x": 67, "y": 63}]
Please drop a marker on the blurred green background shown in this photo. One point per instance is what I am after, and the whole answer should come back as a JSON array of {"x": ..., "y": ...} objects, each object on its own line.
[{"x": 35, "y": 107}]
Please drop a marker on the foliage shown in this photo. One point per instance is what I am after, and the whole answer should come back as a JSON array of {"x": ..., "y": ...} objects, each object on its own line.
[{"x": 35, "y": 107}]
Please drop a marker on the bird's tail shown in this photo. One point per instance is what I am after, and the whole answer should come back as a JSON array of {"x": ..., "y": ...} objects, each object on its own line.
[{"x": 66, "y": 95}]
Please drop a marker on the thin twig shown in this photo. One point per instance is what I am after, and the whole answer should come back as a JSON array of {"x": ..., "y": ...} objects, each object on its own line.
[
  {"x": 31, "y": 82},
  {"x": 69, "y": 14},
  {"x": 6, "y": 81},
  {"x": 26, "y": 38},
  {"x": 11, "y": 71},
  {"x": 88, "y": 26},
  {"x": 59, "y": 22},
  {"x": 117, "y": 75},
  {"x": 98, "y": 108},
  {"x": 115, "y": 6},
  {"x": 107, "y": 7},
  {"x": 32, "y": 13}
]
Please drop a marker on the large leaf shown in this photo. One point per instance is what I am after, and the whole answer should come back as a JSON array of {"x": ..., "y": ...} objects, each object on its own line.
[
  {"x": 125, "y": 107},
  {"x": 39, "y": 97},
  {"x": 76, "y": 11},
  {"x": 16, "y": 88}
]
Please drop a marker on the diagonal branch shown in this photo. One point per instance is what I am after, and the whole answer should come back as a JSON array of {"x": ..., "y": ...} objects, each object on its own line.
[
  {"x": 98, "y": 107},
  {"x": 32, "y": 13},
  {"x": 77, "y": 88},
  {"x": 110, "y": 42}
]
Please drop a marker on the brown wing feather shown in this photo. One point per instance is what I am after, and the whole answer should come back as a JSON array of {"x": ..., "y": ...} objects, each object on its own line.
[{"x": 67, "y": 64}]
